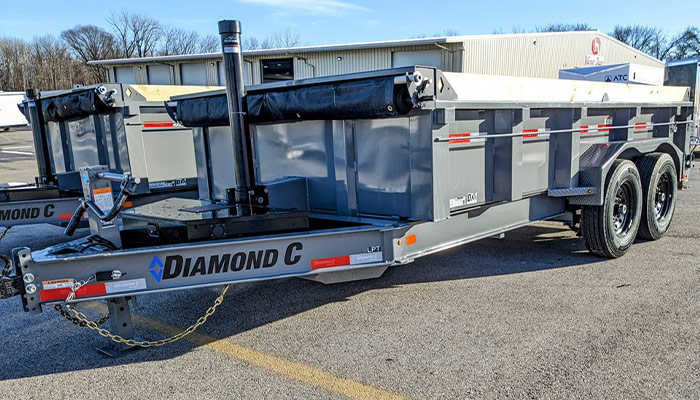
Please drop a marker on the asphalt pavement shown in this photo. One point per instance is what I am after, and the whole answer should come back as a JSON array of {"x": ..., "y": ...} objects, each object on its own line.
[
  {"x": 533, "y": 315},
  {"x": 17, "y": 160}
]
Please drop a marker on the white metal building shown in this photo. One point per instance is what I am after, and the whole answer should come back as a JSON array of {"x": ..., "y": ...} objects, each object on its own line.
[{"x": 531, "y": 54}]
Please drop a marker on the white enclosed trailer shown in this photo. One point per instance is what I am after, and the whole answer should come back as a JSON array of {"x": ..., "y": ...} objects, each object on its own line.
[
  {"x": 10, "y": 116},
  {"x": 619, "y": 73}
]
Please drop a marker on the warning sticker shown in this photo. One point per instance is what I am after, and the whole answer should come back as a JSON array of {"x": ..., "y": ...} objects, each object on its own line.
[
  {"x": 103, "y": 198},
  {"x": 58, "y": 284},
  {"x": 232, "y": 49}
]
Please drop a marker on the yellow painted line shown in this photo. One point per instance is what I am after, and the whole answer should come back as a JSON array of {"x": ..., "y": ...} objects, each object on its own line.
[{"x": 290, "y": 369}]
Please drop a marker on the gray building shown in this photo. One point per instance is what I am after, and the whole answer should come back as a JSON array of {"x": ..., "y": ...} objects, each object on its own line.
[{"x": 530, "y": 54}]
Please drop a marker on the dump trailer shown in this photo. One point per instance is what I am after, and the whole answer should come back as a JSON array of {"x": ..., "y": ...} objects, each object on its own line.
[
  {"x": 124, "y": 127},
  {"x": 338, "y": 178}
]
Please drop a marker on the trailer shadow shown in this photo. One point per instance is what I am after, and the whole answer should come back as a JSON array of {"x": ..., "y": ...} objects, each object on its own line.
[{"x": 50, "y": 345}]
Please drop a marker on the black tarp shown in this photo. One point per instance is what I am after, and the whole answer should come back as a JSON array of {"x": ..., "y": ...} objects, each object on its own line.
[
  {"x": 369, "y": 98},
  {"x": 205, "y": 111},
  {"x": 74, "y": 106}
]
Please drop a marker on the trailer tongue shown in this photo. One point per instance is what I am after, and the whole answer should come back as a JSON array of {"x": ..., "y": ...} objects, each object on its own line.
[{"x": 335, "y": 179}]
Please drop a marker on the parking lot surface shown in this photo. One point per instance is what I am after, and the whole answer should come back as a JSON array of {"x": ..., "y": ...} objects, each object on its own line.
[
  {"x": 17, "y": 162},
  {"x": 532, "y": 315}
]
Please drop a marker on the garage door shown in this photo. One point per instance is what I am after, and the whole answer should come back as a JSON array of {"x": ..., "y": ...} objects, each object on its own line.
[
  {"x": 194, "y": 74},
  {"x": 222, "y": 73},
  {"x": 428, "y": 58},
  {"x": 159, "y": 75},
  {"x": 125, "y": 75}
]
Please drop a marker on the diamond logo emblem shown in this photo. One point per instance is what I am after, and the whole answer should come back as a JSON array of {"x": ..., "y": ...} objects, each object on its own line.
[{"x": 156, "y": 268}]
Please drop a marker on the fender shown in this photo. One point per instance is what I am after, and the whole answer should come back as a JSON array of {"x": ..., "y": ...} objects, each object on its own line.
[{"x": 595, "y": 164}]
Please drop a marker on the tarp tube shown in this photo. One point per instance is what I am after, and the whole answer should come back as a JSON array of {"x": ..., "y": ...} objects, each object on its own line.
[
  {"x": 361, "y": 99},
  {"x": 77, "y": 105}
]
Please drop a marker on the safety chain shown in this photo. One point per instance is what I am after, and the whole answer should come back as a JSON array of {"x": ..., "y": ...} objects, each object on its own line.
[
  {"x": 7, "y": 229},
  {"x": 82, "y": 318},
  {"x": 77, "y": 321},
  {"x": 7, "y": 268}
]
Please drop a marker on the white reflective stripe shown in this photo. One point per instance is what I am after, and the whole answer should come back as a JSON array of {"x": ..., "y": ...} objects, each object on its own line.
[
  {"x": 365, "y": 258},
  {"x": 125, "y": 286}
]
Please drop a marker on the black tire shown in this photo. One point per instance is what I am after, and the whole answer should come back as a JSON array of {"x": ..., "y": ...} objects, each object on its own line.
[
  {"x": 659, "y": 186},
  {"x": 609, "y": 230}
]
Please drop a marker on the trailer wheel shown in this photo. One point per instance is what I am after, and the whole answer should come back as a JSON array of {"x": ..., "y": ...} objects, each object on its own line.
[
  {"x": 609, "y": 230},
  {"x": 659, "y": 185}
]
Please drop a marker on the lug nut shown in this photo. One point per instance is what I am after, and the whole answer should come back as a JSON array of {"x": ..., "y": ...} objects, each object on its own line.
[
  {"x": 30, "y": 289},
  {"x": 28, "y": 277}
]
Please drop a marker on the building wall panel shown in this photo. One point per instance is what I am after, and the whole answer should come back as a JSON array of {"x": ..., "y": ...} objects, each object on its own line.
[{"x": 534, "y": 55}]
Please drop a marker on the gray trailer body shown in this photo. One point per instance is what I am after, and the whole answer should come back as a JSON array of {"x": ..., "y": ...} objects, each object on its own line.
[
  {"x": 134, "y": 136},
  {"x": 464, "y": 163},
  {"x": 131, "y": 134},
  {"x": 686, "y": 73}
]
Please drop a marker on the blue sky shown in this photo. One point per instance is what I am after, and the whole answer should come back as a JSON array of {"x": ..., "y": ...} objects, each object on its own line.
[{"x": 344, "y": 21}]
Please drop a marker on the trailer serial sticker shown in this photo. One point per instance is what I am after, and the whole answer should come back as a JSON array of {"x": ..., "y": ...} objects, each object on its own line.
[
  {"x": 352, "y": 259},
  {"x": 176, "y": 266},
  {"x": 470, "y": 198}
]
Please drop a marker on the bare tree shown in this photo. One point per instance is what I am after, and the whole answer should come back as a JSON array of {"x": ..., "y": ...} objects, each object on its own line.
[
  {"x": 275, "y": 40},
  {"x": 250, "y": 43},
  {"x": 685, "y": 45},
  {"x": 14, "y": 62},
  {"x": 647, "y": 39},
  {"x": 137, "y": 35},
  {"x": 180, "y": 41},
  {"x": 553, "y": 27},
  {"x": 209, "y": 44},
  {"x": 281, "y": 39},
  {"x": 561, "y": 27},
  {"x": 450, "y": 32},
  {"x": 89, "y": 42}
]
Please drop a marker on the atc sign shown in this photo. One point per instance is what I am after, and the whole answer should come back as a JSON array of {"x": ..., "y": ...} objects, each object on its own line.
[{"x": 595, "y": 46}]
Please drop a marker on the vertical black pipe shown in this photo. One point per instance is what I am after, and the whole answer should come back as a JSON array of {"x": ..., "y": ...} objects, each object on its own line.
[
  {"x": 41, "y": 144},
  {"x": 230, "y": 32}
]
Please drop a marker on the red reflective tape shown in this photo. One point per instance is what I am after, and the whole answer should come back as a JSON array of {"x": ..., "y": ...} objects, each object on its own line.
[
  {"x": 530, "y": 132},
  {"x": 158, "y": 124},
  {"x": 60, "y": 294},
  {"x": 460, "y": 135},
  {"x": 602, "y": 128},
  {"x": 640, "y": 126},
  {"x": 584, "y": 129},
  {"x": 330, "y": 262},
  {"x": 67, "y": 216}
]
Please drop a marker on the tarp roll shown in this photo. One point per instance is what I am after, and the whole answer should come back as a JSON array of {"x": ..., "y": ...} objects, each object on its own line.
[
  {"x": 369, "y": 98},
  {"x": 74, "y": 106},
  {"x": 204, "y": 111}
]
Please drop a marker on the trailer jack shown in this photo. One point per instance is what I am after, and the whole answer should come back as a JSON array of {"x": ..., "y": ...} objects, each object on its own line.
[{"x": 121, "y": 326}]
